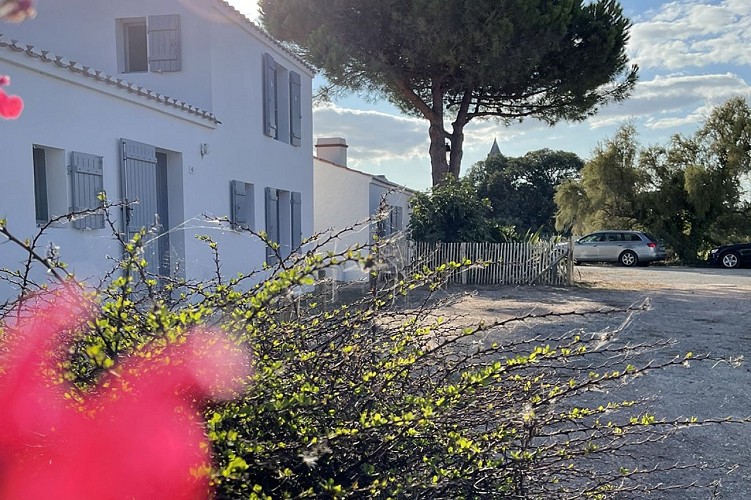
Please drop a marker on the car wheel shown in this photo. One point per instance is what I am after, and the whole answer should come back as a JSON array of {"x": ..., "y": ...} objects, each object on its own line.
[
  {"x": 628, "y": 259},
  {"x": 730, "y": 260}
]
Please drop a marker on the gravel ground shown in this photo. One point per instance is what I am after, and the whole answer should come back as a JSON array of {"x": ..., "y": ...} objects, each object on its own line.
[{"x": 704, "y": 311}]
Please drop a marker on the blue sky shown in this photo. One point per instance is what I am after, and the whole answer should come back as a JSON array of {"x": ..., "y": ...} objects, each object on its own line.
[{"x": 692, "y": 54}]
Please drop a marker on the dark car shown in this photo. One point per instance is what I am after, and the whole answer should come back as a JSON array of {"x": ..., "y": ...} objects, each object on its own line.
[
  {"x": 629, "y": 248},
  {"x": 731, "y": 256}
]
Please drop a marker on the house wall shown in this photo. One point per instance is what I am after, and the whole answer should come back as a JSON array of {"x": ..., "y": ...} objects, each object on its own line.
[
  {"x": 222, "y": 72},
  {"x": 340, "y": 202},
  {"x": 63, "y": 112},
  {"x": 85, "y": 31},
  {"x": 346, "y": 197},
  {"x": 246, "y": 153}
]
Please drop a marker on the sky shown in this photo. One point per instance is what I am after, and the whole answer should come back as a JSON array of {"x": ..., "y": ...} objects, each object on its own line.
[{"x": 692, "y": 55}]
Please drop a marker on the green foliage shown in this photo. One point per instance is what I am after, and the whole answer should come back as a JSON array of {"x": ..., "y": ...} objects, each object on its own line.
[
  {"x": 521, "y": 190},
  {"x": 509, "y": 60},
  {"x": 452, "y": 212},
  {"x": 689, "y": 192},
  {"x": 606, "y": 194}
]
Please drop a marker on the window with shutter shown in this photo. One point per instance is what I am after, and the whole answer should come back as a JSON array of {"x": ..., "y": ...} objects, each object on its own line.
[
  {"x": 87, "y": 182},
  {"x": 296, "y": 220},
  {"x": 149, "y": 44},
  {"x": 164, "y": 43},
  {"x": 295, "y": 109},
  {"x": 242, "y": 201},
  {"x": 270, "y": 111}
]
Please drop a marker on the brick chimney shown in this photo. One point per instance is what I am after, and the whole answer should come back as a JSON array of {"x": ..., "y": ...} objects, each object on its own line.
[{"x": 333, "y": 149}]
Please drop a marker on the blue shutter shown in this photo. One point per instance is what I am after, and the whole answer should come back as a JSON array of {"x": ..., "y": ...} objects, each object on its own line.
[
  {"x": 164, "y": 43},
  {"x": 139, "y": 191},
  {"x": 87, "y": 181},
  {"x": 272, "y": 221},
  {"x": 295, "y": 109},
  {"x": 296, "y": 222},
  {"x": 242, "y": 201},
  {"x": 269, "y": 96}
]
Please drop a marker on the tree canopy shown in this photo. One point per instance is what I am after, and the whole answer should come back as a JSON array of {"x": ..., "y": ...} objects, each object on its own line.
[
  {"x": 521, "y": 190},
  {"x": 459, "y": 60}
]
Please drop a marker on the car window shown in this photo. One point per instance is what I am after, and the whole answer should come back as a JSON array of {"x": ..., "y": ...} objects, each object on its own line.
[
  {"x": 613, "y": 237},
  {"x": 650, "y": 237},
  {"x": 591, "y": 238},
  {"x": 631, "y": 237}
]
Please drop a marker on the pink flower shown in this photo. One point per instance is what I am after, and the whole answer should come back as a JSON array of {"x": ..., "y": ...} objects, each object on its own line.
[
  {"x": 140, "y": 434},
  {"x": 15, "y": 11},
  {"x": 10, "y": 105}
]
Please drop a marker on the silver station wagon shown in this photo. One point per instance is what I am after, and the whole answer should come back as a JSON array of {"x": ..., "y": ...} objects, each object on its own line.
[{"x": 629, "y": 248}]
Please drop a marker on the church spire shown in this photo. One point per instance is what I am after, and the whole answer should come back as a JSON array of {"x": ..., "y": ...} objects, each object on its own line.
[{"x": 494, "y": 150}]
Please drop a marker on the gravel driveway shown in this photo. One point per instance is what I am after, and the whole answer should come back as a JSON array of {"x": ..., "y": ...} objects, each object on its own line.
[{"x": 705, "y": 311}]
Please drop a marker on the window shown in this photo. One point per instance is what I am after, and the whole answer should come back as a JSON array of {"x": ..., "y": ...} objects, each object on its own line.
[
  {"x": 282, "y": 102},
  {"x": 283, "y": 222},
  {"x": 242, "y": 200},
  {"x": 396, "y": 219},
  {"x": 50, "y": 183},
  {"x": 41, "y": 204},
  {"x": 391, "y": 222},
  {"x": 592, "y": 238},
  {"x": 149, "y": 44},
  {"x": 136, "y": 54}
]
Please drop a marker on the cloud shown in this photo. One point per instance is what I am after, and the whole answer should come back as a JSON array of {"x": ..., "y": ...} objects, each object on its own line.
[
  {"x": 693, "y": 34},
  {"x": 375, "y": 136},
  {"x": 673, "y": 100}
]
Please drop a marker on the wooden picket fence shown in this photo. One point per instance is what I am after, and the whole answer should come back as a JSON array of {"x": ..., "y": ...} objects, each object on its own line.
[{"x": 544, "y": 262}]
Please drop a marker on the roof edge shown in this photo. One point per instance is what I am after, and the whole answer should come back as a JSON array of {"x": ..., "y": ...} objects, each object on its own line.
[
  {"x": 232, "y": 10},
  {"x": 46, "y": 56}
]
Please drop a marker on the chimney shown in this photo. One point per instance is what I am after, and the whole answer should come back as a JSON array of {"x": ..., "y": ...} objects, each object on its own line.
[{"x": 333, "y": 149}]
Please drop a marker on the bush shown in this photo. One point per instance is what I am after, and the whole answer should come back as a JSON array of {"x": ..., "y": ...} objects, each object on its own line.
[{"x": 382, "y": 396}]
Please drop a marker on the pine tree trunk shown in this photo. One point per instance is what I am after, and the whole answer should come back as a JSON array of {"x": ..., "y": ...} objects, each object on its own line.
[
  {"x": 439, "y": 164},
  {"x": 457, "y": 150}
]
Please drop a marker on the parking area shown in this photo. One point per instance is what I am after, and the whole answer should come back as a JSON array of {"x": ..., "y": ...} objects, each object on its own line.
[
  {"x": 704, "y": 310},
  {"x": 663, "y": 277}
]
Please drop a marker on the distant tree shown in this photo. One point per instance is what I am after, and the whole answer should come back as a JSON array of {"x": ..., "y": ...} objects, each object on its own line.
[
  {"x": 607, "y": 195},
  {"x": 457, "y": 60},
  {"x": 697, "y": 198},
  {"x": 689, "y": 192},
  {"x": 451, "y": 212},
  {"x": 521, "y": 190}
]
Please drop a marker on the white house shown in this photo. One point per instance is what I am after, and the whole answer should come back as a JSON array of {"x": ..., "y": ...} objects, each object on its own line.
[
  {"x": 353, "y": 205},
  {"x": 187, "y": 107}
]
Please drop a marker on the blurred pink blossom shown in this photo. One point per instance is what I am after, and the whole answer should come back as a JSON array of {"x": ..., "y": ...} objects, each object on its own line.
[
  {"x": 15, "y": 11},
  {"x": 10, "y": 105},
  {"x": 139, "y": 434}
]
